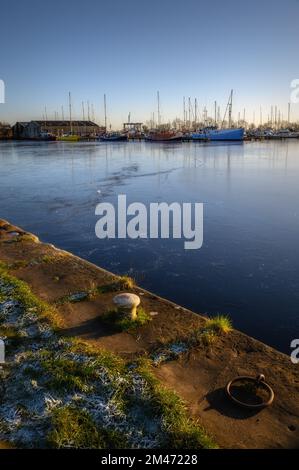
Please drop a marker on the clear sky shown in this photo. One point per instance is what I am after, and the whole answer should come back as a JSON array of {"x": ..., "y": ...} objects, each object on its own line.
[{"x": 129, "y": 49}]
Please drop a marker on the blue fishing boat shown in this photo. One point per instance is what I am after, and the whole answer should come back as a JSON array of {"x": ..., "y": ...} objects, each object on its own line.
[
  {"x": 229, "y": 133},
  {"x": 212, "y": 133}
]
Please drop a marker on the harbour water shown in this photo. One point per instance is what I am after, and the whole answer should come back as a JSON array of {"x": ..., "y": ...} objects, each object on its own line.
[{"x": 248, "y": 266}]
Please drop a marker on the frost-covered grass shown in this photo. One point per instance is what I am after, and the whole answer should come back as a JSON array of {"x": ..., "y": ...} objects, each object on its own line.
[
  {"x": 181, "y": 431},
  {"x": 169, "y": 352},
  {"x": 62, "y": 392},
  {"x": 21, "y": 292},
  {"x": 74, "y": 427}
]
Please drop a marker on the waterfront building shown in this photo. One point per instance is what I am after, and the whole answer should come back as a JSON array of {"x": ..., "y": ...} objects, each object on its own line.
[
  {"x": 5, "y": 131},
  {"x": 34, "y": 129}
]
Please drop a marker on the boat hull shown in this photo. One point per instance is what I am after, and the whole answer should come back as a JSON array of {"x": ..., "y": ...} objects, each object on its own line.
[
  {"x": 118, "y": 138},
  {"x": 164, "y": 137},
  {"x": 219, "y": 134},
  {"x": 69, "y": 138},
  {"x": 172, "y": 139}
]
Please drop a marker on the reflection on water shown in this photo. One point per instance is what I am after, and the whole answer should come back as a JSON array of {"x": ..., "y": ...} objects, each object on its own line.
[{"x": 248, "y": 265}]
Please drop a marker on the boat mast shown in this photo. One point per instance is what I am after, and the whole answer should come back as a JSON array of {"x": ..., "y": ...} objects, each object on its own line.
[
  {"x": 158, "y": 103},
  {"x": 215, "y": 112},
  {"x": 88, "y": 111},
  {"x": 70, "y": 107},
  {"x": 46, "y": 117},
  {"x": 195, "y": 112},
  {"x": 184, "y": 106},
  {"x": 83, "y": 115},
  {"x": 289, "y": 112},
  {"x": 105, "y": 111},
  {"x": 230, "y": 109}
]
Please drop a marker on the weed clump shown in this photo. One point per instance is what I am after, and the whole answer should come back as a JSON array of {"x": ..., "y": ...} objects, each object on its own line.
[
  {"x": 123, "y": 322},
  {"x": 219, "y": 324}
]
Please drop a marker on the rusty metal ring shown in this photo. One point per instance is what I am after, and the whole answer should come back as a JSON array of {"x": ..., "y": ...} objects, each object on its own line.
[{"x": 260, "y": 379}]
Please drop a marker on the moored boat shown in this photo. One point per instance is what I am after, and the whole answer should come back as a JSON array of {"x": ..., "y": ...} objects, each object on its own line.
[
  {"x": 285, "y": 134},
  {"x": 69, "y": 138},
  {"x": 114, "y": 137},
  {"x": 164, "y": 136},
  {"x": 46, "y": 137},
  {"x": 219, "y": 134}
]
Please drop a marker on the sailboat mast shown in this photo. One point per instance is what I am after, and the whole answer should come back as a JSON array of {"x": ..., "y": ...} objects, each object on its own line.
[
  {"x": 215, "y": 112},
  {"x": 46, "y": 117},
  {"x": 105, "y": 111},
  {"x": 83, "y": 115},
  {"x": 88, "y": 111},
  {"x": 230, "y": 109},
  {"x": 70, "y": 107},
  {"x": 158, "y": 102}
]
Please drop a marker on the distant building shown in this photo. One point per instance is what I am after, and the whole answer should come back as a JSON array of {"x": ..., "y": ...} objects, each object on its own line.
[
  {"x": 5, "y": 131},
  {"x": 34, "y": 129},
  {"x": 18, "y": 130}
]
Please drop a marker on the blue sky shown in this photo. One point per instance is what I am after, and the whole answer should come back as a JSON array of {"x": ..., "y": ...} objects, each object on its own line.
[{"x": 130, "y": 49}]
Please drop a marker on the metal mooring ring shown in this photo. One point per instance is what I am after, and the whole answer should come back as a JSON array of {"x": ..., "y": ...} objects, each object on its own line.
[{"x": 260, "y": 379}]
